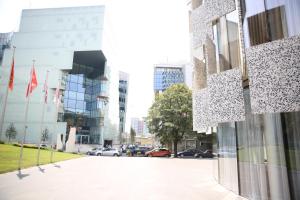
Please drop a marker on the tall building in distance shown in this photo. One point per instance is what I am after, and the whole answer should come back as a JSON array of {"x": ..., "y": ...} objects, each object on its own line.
[
  {"x": 246, "y": 59},
  {"x": 139, "y": 126},
  {"x": 166, "y": 75},
  {"x": 68, "y": 43},
  {"x": 123, "y": 99}
]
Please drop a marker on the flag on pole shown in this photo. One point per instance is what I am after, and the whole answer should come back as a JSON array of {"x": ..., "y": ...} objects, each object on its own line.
[
  {"x": 11, "y": 76},
  {"x": 46, "y": 88},
  {"x": 32, "y": 83},
  {"x": 57, "y": 95}
]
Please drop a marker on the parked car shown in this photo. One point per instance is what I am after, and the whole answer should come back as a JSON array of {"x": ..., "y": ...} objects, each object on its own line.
[
  {"x": 141, "y": 150},
  {"x": 95, "y": 151},
  {"x": 111, "y": 152},
  {"x": 187, "y": 153},
  {"x": 130, "y": 149},
  {"x": 204, "y": 154},
  {"x": 158, "y": 152}
]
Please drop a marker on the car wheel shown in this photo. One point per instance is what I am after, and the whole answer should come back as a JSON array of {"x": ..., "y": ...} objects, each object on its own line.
[
  {"x": 150, "y": 155},
  {"x": 115, "y": 154},
  {"x": 98, "y": 154},
  {"x": 181, "y": 155}
]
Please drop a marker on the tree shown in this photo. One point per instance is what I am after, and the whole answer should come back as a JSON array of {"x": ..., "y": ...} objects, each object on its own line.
[
  {"x": 170, "y": 116},
  {"x": 45, "y": 135},
  {"x": 11, "y": 132},
  {"x": 132, "y": 135}
]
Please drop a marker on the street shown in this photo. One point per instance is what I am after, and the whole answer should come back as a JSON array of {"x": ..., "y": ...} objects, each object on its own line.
[{"x": 116, "y": 178}]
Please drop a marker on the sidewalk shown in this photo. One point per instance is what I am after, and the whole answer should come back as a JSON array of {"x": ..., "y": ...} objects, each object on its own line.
[{"x": 115, "y": 178}]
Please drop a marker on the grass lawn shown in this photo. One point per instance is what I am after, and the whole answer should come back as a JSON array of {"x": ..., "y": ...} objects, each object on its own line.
[{"x": 9, "y": 157}]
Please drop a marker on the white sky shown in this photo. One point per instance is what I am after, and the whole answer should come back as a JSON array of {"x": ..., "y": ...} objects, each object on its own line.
[{"x": 144, "y": 33}]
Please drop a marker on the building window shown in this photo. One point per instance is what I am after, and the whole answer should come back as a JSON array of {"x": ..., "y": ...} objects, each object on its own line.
[
  {"x": 267, "y": 26},
  {"x": 225, "y": 44}
]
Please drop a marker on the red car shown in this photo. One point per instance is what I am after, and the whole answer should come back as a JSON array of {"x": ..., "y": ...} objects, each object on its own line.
[{"x": 159, "y": 152}]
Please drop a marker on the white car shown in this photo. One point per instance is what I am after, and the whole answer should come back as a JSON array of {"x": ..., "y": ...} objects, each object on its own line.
[
  {"x": 111, "y": 152},
  {"x": 95, "y": 151}
]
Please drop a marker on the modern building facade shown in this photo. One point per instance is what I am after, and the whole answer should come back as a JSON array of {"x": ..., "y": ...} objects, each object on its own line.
[
  {"x": 123, "y": 99},
  {"x": 5, "y": 39},
  {"x": 68, "y": 44},
  {"x": 139, "y": 126},
  {"x": 166, "y": 75},
  {"x": 246, "y": 59}
]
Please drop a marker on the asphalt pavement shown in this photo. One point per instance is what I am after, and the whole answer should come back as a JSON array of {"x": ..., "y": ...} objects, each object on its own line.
[{"x": 116, "y": 178}]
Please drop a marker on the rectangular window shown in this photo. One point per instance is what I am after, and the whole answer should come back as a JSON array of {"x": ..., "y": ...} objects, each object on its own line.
[
  {"x": 225, "y": 45},
  {"x": 267, "y": 26}
]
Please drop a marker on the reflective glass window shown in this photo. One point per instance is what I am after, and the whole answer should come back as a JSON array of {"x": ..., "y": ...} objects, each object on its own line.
[
  {"x": 73, "y": 78},
  {"x": 72, "y": 86},
  {"x": 71, "y": 103},
  {"x": 72, "y": 95},
  {"x": 80, "y": 96}
]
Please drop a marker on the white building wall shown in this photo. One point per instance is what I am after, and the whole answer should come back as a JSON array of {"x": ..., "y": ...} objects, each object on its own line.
[{"x": 50, "y": 36}]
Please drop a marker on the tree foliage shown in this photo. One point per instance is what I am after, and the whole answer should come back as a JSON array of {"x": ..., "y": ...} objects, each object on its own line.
[
  {"x": 170, "y": 116},
  {"x": 11, "y": 132}
]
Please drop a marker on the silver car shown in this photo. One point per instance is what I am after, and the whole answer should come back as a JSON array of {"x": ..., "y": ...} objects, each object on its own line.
[
  {"x": 111, "y": 152},
  {"x": 95, "y": 151}
]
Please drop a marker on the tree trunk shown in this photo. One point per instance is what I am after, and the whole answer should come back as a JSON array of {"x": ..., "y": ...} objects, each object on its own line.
[{"x": 175, "y": 148}]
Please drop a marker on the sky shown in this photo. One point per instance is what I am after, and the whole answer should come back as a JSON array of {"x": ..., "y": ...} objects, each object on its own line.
[{"x": 144, "y": 33}]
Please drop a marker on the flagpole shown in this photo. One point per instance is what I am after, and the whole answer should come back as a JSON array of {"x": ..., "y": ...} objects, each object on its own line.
[
  {"x": 6, "y": 95},
  {"x": 25, "y": 120},
  {"x": 57, "y": 98},
  {"x": 43, "y": 114}
]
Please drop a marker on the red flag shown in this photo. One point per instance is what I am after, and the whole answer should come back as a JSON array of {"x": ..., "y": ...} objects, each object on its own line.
[
  {"x": 32, "y": 84},
  {"x": 11, "y": 77}
]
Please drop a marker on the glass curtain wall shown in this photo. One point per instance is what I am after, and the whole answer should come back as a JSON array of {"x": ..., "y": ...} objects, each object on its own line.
[
  {"x": 269, "y": 156},
  {"x": 228, "y": 175},
  {"x": 81, "y": 106}
]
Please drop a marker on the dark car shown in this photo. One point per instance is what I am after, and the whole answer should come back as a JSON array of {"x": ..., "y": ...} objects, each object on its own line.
[
  {"x": 188, "y": 153},
  {"x": 204, "y": 154},
  {"x": 141, "y": 150}
]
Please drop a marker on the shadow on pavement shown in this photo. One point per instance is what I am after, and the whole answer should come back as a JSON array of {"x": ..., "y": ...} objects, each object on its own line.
[
  {"x": 21, "y": 175},
  {"x": 41, "y": 169},
  {"x": 57, "y": 166}
]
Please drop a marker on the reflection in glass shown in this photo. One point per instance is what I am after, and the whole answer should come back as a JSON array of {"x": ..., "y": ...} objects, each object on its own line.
[
  {"x": 80, "y": 104},
  {"x": 268, "y": 152},
  {"x": 269, "y": 20},
  {"x": 226, "y": 42},
  {"x": 228, "y": 176}
]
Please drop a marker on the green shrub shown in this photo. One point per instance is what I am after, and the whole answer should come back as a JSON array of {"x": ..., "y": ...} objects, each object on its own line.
[{"x": 2, "y": 142}]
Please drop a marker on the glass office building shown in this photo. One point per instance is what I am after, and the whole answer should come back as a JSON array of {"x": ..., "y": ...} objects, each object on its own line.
[
  {"x": 258, "y": 128},
  {"x": 123, "y": 98},
  {"x": 85, "y": 85},
  {"x": 167, "y": 75},
  {"x": 66, "y": 43}
]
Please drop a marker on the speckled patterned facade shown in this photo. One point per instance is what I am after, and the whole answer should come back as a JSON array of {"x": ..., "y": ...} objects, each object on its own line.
[
  {"x": 200, "y": 111},
  {"x": 204, "y": 15},
  {"x": 274, "y": 74},
  {"x": 226, "y": 101}
]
